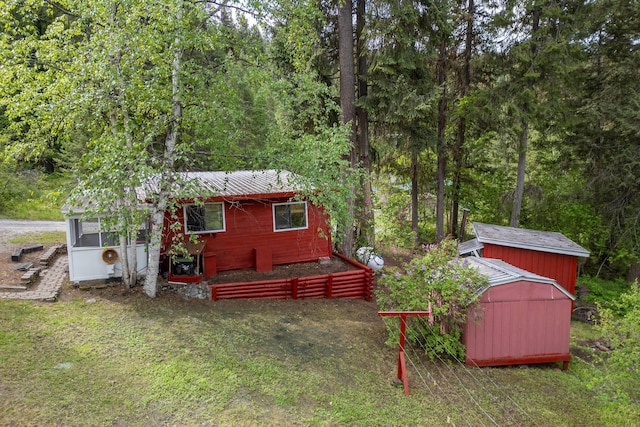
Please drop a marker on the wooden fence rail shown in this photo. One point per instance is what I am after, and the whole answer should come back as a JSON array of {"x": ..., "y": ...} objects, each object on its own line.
[{"x": 357, "y": 283}]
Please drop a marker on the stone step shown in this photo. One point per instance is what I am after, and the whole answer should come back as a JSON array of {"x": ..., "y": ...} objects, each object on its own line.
[
  {"x": 13, "y": 287},
  {"x": 17, "y": 254},
  {"x": 30, "y": 276},
  {"x": 50, "y": 255}
]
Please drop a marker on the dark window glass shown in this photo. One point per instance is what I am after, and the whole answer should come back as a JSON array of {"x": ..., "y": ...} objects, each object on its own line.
[
  {"x": 207, "y": 218},
  {"x": 290, "y": 216}
]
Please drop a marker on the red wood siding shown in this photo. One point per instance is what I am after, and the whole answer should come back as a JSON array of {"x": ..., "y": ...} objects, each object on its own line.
[
  {"x": 357, "y": 283},
  {"x": 520, "y": 322},
  {"x": 249, "y": 226},
  {"x": 562, "y": 268}
]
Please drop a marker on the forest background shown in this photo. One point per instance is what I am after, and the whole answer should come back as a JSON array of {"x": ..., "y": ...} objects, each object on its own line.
[{"x": 400, "y": 113}]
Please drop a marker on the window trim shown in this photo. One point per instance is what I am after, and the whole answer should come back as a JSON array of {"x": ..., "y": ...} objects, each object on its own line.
[
  {"x": 306, "y": 216},
  {"x": 224, "y": 218}
]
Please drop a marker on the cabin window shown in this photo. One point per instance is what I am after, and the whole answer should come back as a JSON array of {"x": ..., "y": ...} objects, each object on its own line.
[
  {"x": 89, "y": 232},
  {"x": 289, "y": 216},
  {"x": 207, "y": 218}
]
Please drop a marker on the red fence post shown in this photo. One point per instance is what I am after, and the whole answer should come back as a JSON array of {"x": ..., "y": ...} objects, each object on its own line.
[
  {"x": 369, "y": 284},
  {"x": 329, "y": 286},
  {"x": 402, "y": 366},
  {"x": 294, "y": 288}
]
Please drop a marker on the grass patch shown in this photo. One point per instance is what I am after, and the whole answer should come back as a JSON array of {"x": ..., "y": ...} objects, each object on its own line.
[
  {"x": 41, "y": 237},
  {"x": 135, "y": 361}
]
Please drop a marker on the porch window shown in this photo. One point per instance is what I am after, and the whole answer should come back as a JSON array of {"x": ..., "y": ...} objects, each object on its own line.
[
  {"x": 89, "y": 232},
  {"x": 208, "y": 218},
  {"x": 289, "y": 216}
]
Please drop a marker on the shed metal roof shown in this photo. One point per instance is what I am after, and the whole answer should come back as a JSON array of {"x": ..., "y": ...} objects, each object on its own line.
[
  {"x": 543, "y": 241},
  {"x": 500, "y": 273},
  {"x": 470, "y": 246}
]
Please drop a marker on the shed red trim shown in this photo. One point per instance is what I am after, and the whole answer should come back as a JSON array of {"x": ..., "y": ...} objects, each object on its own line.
[{"x": 550, "y": 358}]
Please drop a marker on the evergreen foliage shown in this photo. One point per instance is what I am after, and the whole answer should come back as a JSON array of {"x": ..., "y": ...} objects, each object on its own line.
[{"x": 85, "y": 90}]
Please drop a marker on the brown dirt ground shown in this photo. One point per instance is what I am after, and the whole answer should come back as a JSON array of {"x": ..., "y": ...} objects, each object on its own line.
[
  {"x": 282, "y": 271},
  {"x": 9, "y": 276}
]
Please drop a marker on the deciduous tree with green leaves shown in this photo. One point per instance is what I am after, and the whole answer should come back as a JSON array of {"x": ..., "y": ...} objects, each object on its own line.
[
  {"x": 142, "y": 85},
  {"x": 442, "y": 282}
]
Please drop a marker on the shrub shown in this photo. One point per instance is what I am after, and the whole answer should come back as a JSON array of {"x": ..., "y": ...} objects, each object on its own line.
[
  {"x": 439, "y": 280},
  {"x": 29, "y": 194},
  {"x": 601, "y": 291},
  {"x": 620, "y": 326}
]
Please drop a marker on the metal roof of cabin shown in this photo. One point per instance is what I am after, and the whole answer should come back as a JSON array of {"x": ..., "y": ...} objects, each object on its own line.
[
  {"x": 237, "y": 183},
  {"x": 500, "y": 273},
  {"x": 242, "y": 183},
  {"x": 261, "y": 183},
  {"x": 522, "y": 238}
]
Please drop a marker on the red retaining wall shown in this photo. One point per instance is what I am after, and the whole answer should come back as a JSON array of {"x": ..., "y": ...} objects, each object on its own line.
[{"x": 356, "y": 283}]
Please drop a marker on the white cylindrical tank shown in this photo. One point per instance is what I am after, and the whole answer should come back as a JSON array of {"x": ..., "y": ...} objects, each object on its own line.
[{"x": 368, "y": 257}]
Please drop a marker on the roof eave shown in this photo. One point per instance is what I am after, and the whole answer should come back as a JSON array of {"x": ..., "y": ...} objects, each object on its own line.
[{"x": 584, "y": 254}]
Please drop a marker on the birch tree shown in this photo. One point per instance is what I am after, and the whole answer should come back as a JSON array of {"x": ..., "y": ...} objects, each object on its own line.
[{"x": 113, "y": 72}]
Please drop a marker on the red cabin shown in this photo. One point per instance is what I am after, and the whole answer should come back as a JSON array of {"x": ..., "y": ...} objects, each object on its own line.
[
  {"x": 252, "y": 220},
  {"x": 548, "y": 254},
  {"x": 523, "y": 318}
]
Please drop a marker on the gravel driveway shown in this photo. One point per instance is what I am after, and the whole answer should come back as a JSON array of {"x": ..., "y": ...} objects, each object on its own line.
[{"x": 13, "y": 227}]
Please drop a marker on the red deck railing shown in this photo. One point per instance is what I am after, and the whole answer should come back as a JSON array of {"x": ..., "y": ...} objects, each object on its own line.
[{"x": 357, "y": 283}]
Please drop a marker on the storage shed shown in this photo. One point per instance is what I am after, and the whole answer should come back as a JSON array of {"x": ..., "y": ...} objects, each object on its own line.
[
  {"x": 549, "y": 254},
  {"x": 522, "y": 318}
]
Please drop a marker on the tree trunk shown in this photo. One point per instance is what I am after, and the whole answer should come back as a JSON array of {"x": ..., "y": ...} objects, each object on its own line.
[
  {"x": 124, "y": 261},
  {"x": 155, "y": 243},
  {"x": 414, "y": 191},
  {"x": 129, "y": 260},
  {"x": 522, "y": 163},
  {"x": 166, "y": 177},
  {"x": 441, "y": 148},
  {"x": 462, "y": 123},
  {"x": 347, "y": 105},
  {"x": 633, "y": 275},
  {"x": 367, "y": 216},
  {"x": 133, "y": 263},
  {"x": 524, "y": 135}
]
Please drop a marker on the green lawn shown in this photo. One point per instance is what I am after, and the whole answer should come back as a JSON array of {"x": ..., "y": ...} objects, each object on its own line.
[{"x": 99, "y": 358}]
